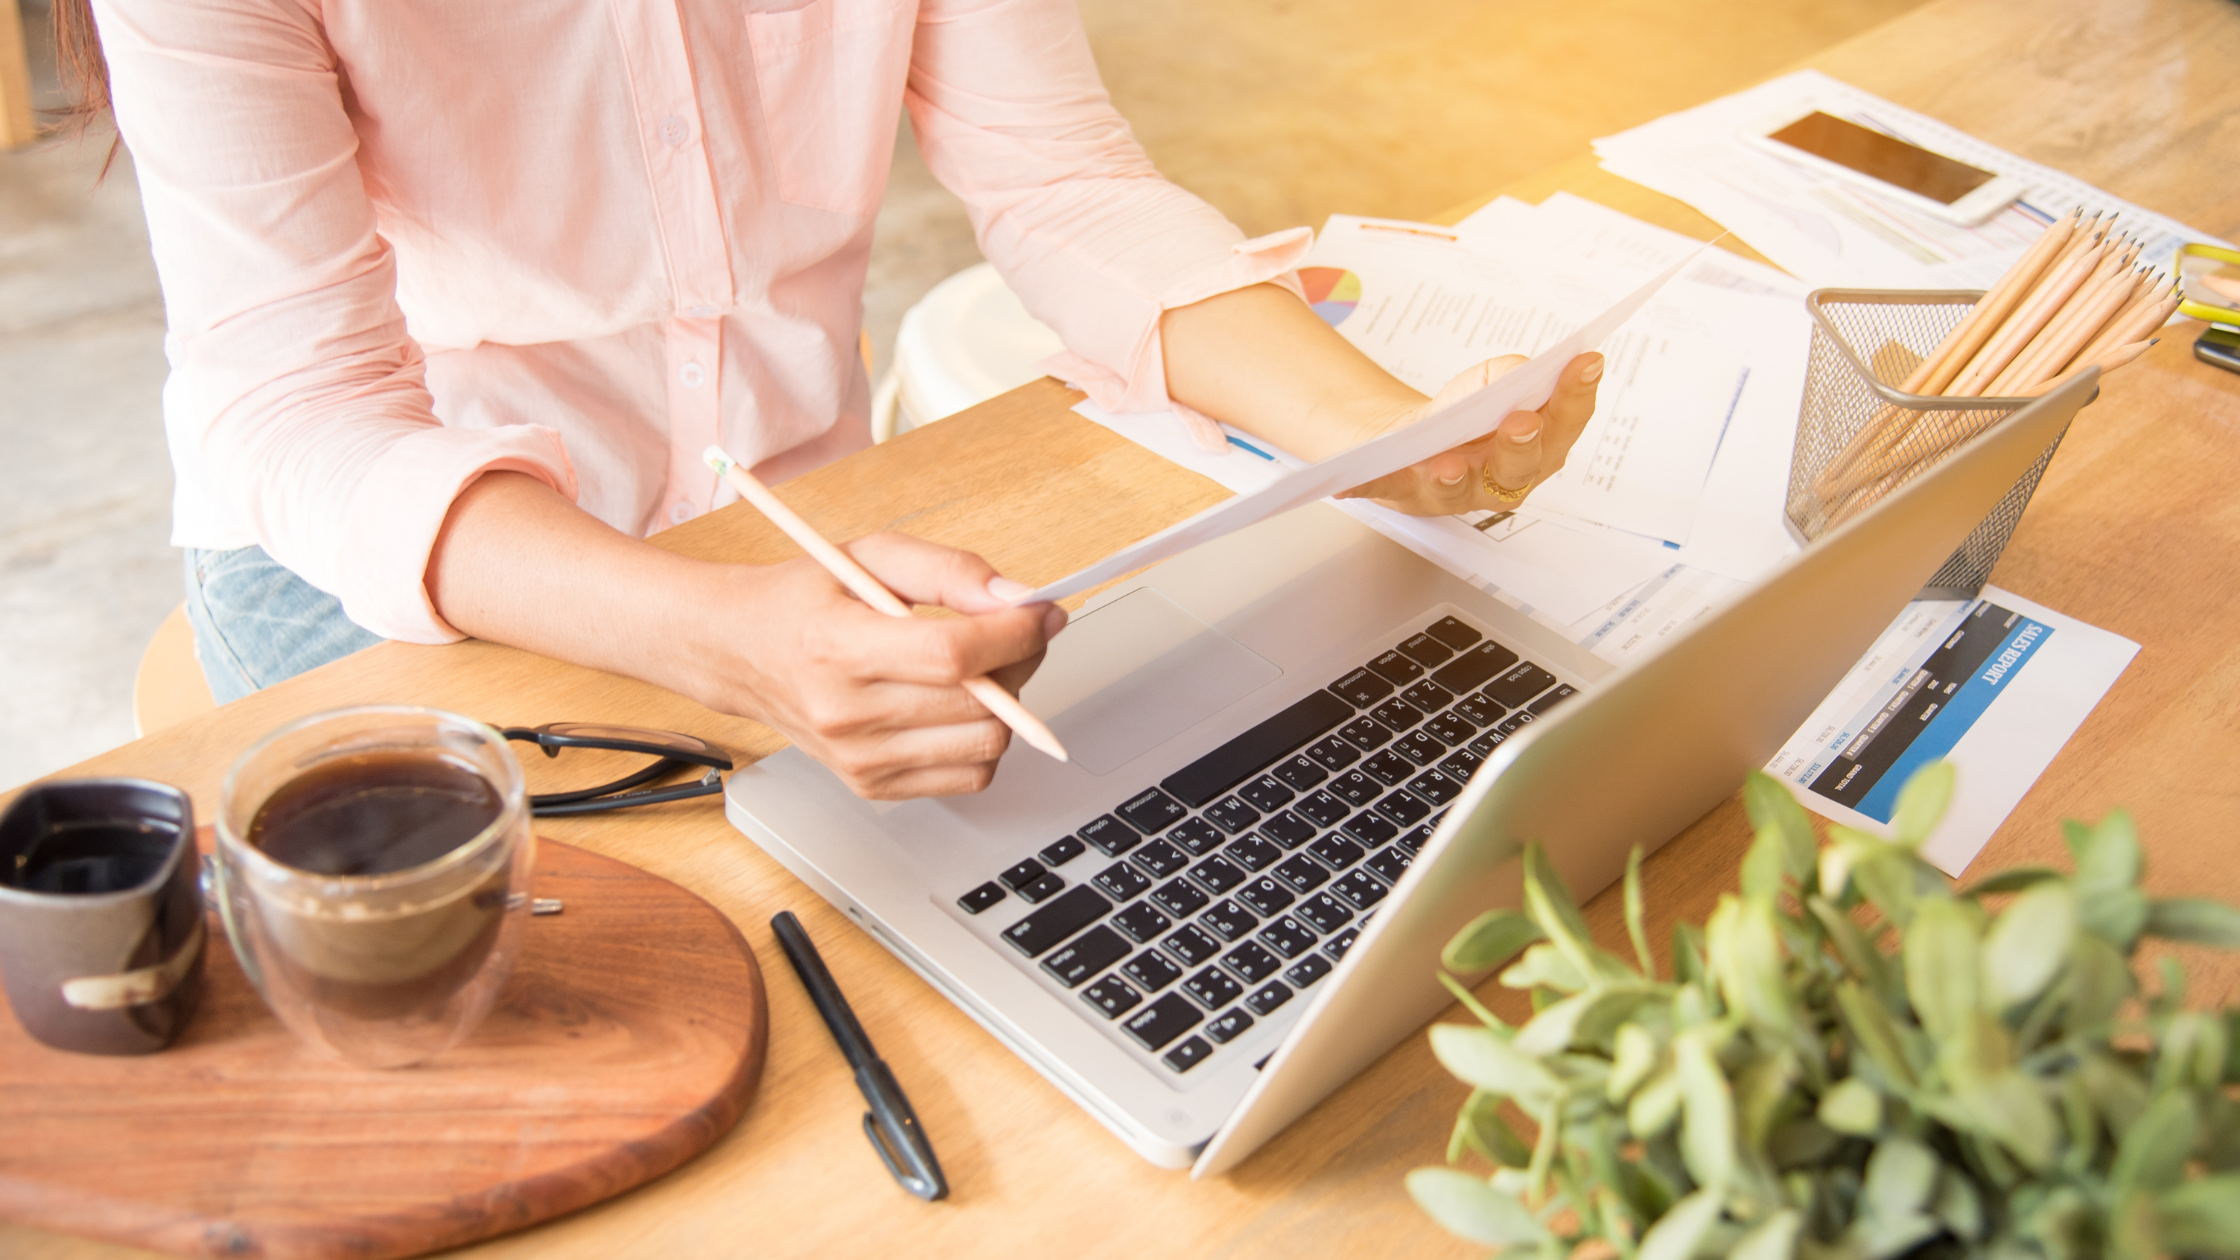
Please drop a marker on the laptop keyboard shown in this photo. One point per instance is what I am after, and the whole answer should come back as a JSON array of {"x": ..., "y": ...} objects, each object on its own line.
[{"x": 1241, "y": 879}]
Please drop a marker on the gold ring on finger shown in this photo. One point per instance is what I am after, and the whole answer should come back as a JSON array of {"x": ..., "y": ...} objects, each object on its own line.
[{"x": 1499, "y": 491}]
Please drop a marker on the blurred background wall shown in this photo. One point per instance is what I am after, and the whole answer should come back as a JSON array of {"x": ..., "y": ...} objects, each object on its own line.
[{"x": 1276, "y": 111}]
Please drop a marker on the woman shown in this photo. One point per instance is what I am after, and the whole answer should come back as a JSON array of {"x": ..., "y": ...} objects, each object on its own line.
[{"x": 457, "y": 293}]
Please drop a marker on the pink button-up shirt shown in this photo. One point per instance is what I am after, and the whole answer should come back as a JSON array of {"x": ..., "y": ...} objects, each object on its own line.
[{"x": 407, "y": 242}]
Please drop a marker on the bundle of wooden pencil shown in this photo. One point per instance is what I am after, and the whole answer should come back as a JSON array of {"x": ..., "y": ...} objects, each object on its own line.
[{"x": 2077, "y": 299}]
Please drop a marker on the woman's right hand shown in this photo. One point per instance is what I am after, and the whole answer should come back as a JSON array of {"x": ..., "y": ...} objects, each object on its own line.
[{"x": 877, "y": 699}]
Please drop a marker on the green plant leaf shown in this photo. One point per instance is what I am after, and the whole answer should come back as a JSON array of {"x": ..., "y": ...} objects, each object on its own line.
[
  {"x": 1551, "y": 906},
  {"x": 2201, "y": 1217},
  {"x": 1772, "y": 806},
  {"x": 1544, "y": 966},
  {"x": 2152, "y": 1153},
  {"x": 1875, "y": 1032},
  {"x": 1471, "y": 1004},
  {"x": 1958, "y": 1205},
  {"x": 2117, "y": 1094},
  {"x": 1853, "y": 1107},
  {"x": 1488, "y": 939},
  {"x": 1707, "y": 1120},
  {"x": 1480, "y": 1127},
  {"x": 1921, "y": 803},
  {"x": 1480, "y": 1057},
  {"x": 1635, "y": 1057},
  {"x": 2116, "y": 915},
  {"x": 1687, "y": 954},
  {"x": 2107, "y": 855},
  {"x": 2009, "y": 1108},
  {"x": 1744, "y": 947},
  {"x": 1858, "y": 955},
  {"x": 1678, "y": 1232},
  {"x": 1901, "y": 1175},
  {"x": 1471, "y": 1209},
  {"x": 2013, "y": 879},
  {"x": 1765, "y": 1095},
  {"x": 2028, "y": 943},
  {"x": 1636, "y": 915},
  {"x": 1655, "y": 1105},
  {"x": 2099, "y": 982},
  {"x": 1942, "y": 966},
  {"x": 1884, "y": 874},
  {"x": 2195, "y": 919},
  {"x": 1774, "y": 1238}
]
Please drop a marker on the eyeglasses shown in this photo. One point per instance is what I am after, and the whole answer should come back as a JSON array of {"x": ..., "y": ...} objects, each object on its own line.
[{"x": 670, "y": 751}]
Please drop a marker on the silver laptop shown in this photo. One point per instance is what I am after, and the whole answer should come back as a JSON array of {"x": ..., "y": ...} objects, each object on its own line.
[{"x": 1303, "y": 758}]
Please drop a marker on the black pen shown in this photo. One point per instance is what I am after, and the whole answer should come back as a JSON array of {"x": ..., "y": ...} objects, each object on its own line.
[{"x": 890, "y": 1124}]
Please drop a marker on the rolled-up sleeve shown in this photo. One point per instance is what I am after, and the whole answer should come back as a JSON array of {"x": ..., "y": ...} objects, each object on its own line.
[
  {"x": 1011, "y": 116},
  {"x": 294, "y": 381}
]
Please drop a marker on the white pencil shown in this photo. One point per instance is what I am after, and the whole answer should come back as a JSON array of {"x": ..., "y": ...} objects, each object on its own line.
[{"x": 873, "y": 592}]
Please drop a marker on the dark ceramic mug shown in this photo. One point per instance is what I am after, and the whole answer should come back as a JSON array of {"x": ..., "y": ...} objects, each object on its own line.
[{"x": 101, "y": 925}]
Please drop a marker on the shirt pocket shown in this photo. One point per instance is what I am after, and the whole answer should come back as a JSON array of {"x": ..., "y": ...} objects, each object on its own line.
[{"x": 829, "y": 75}]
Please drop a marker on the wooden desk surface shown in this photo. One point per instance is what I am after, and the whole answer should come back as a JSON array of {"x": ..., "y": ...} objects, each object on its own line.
[{"x": 2135, "y": 529}]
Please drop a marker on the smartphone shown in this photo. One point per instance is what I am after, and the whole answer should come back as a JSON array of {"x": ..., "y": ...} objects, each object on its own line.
[
  {"x": 2220, "y": 346},
  {"x": 1943, "y": 186}
]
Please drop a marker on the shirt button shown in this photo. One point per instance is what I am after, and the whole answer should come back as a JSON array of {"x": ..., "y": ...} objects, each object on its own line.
[
  {"x": 692, "y": 375},
  {"x": 679, "y": 513},
  {"x": 674, "y": 131}
]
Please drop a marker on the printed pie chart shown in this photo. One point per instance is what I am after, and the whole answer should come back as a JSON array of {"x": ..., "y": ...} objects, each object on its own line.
[{"x": 1332, "y": 291}]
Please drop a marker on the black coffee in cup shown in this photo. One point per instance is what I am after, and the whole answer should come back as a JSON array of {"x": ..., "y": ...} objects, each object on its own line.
[{"x": 374, "y": 814}]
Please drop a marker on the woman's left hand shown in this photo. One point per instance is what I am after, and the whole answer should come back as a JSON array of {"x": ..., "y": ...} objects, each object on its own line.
[{"x": 1497, "y": 471}]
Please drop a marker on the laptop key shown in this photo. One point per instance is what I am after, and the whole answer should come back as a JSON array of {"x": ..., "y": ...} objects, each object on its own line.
[
  {"x": 1302, "y": 872},
  {"x": 1152, "y": 970},
  {"x": 1515, "y": 722},
  {"x": 1180, "y": 898},
  {"x": 1397, "y": 714},
  {"x": 1162, "y": 1021},
  {"x": 1217, "y": 875},
  {"x": 1412, "y": 841},
  {"x": 1050, "y": 885},
  {"x": 1192, "y": 945},
  {"x": 981, "y": 898},
  {"x": 1288, "y": 937},
  {"x": 1196, "y": 837},
  {"x": 1471, "y": 669},
  {"x": 1370, "y": 829},
  {"x": 1453, "y": 633},
  {"x": 1229, "y": 1025},
  {"x": 1112, "y": 997},
  {"x": 1159, "y": 858},
  {"x": 1122, "y": 881},
  {"x": 1287, "y": 829},
  {"x": 1563, "y": 692},
  {"x": 1323, "y": 809},
  {"x": 1086, "y": 955},
  {"x": 1074, "y": 909},
  {"x": 1333, "y": 752},
  {"x": 1254, "y": 854},
  {"x": 1266, "y": 895},
  {"x": 1110, "y": 836},
  {"x": 1451, "y": 728},
  {"x": 1355, "y": 788},
  {"x": 1336, "y": 850},
  {"x": 1359, "y": 887},
  {"x": 1192, "y": 1052},
  {"x": 1246, "y": 755},
  {"x": 1396, "y": 669},
  {"x": 1063, "y": 851},
  {"x": 1520, "y": 684},
  {"x": 1427, "y": 695},
  {"x": 1362, "y": 688},
  {"x": 1268, "y": 997},
  {"x": 1435, "y": 786},
  {"x": 1266, "y": 794},
  {"x": 1232, "y": 814},
  {"x": 1152, "y": 811},
  {"x": 1461, "y": 764},
  {"x": 1388, "y": 767},
  {"x": 1251, "y": 963},
  {"x": 1479, "y": 710},
  {"x": 1420, "y": 746},
  {"x": 1337, "y": 945},
  {"x": 1214, "y": 988},
  {"x": 1299, "y": 773},
  {"x": 1391, "y": 862},
  {"x": 1141, "y": 921},
  {"x": 1323, "y": 912},
  {"x": 1228, "y": 920},
  {"x": 1487, "y": 741},
  {"x": 1307, "y": 970},
  {"x": 1404, "y": 808},
  {"x": 1021, "y": 875},
  {"x": 1365, "y": 733},
  {"x": 1425, "y": 650}
]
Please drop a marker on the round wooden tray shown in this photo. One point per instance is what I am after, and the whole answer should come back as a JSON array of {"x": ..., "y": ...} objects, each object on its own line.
[{"x": 628, "y": 1039}]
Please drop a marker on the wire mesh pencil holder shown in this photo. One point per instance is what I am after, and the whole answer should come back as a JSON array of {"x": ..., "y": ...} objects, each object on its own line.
[{"x": 1859, "y": 437}]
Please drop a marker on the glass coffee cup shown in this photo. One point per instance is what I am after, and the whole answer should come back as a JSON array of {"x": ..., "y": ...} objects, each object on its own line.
[{"x": 372, "y": 870}]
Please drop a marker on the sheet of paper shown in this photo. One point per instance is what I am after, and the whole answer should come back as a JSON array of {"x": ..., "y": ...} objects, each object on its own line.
[
  {"x": 1526, "y": 387},
  {"x": 1831, "y": 233},
  {"x": 1997, "y": 684}
]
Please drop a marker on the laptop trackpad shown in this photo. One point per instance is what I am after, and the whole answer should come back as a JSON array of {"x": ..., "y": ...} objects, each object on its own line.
[{"x": 1136, "y": 673}]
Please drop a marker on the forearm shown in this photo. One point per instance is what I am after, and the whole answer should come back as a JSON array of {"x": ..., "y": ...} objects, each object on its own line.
[{"x": 1260, "y": 359}]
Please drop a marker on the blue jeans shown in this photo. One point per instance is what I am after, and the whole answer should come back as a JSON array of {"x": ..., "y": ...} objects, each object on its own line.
[{"x": 256, "y": 623}]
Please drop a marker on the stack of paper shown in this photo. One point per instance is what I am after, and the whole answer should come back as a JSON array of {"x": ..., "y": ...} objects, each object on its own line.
[{"x": 1830, "y": 233}]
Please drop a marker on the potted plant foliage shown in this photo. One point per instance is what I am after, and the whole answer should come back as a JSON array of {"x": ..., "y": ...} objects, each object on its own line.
[{"x": 1851, "y": 1059}]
